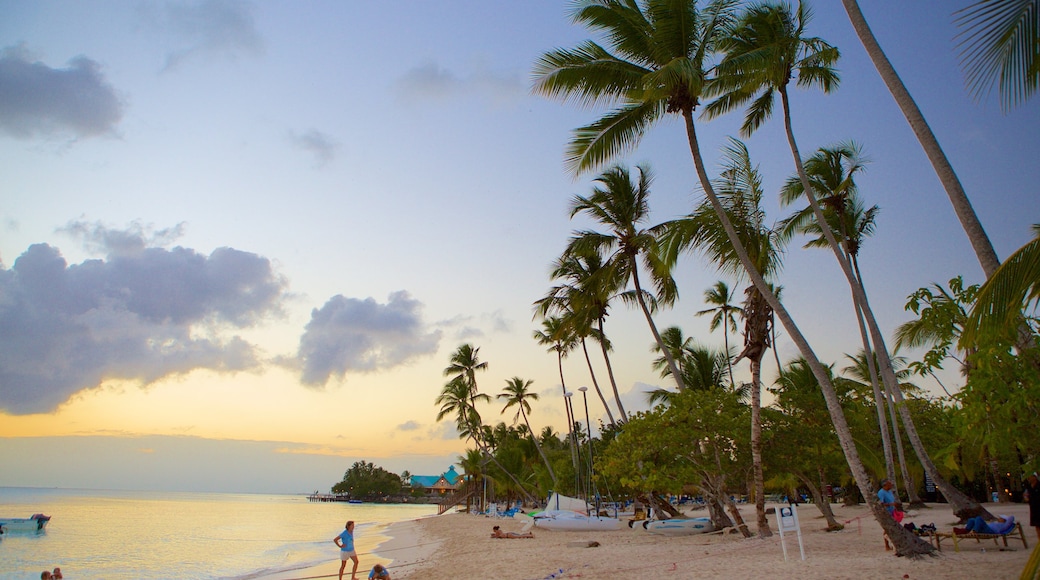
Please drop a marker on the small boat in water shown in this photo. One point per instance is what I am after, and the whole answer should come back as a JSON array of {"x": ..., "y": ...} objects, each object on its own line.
[
  {"x": 679, "y": 526},
  {"x": 34, "y": 523}
]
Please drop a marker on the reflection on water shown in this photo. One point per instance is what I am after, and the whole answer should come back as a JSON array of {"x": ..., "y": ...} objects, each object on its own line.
[{"x": 159, "y": 535}]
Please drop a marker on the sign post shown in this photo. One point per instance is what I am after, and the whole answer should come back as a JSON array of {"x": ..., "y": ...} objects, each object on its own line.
[{"x": 787, "y": 521}]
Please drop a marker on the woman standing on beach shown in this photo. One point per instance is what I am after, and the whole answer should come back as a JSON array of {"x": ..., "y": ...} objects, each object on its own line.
[{"x": 345, "y": 541}]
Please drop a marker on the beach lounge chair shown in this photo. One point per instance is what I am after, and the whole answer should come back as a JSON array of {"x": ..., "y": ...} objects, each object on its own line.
[{"x": 1015, "y": 533}]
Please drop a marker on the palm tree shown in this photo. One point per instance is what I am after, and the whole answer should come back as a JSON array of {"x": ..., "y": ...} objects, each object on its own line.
[
  {"x": 723, "y": 311},
  {"x": 831, "y": 173},
  {"x": 944, "y": 170},
  {"x": 658, "y": 67},
  {"x": 768, "y": 50},
  {"x": 516, "y": 394},
  {"x": 622, "y": 207},
  {"x": 1002, "y": 300},
  {"x": 1001, "y": 41},
  {"x": 739, "y": 190},
  {"x": 583, "y": 299},
  {"x": 459, "y": 397}
]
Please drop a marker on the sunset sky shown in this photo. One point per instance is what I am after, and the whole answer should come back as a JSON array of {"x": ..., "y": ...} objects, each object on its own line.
[{"x": 240, "y": 240}]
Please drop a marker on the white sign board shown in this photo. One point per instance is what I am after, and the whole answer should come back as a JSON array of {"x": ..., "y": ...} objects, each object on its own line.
[{"x": 787, "y": 522}]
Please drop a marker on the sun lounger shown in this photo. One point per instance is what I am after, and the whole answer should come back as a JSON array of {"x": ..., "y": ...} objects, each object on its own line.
[{"x": 938, "y": 537}]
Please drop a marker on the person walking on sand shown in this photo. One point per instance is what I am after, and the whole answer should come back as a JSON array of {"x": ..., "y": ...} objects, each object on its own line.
[
  {"x": 1031, "y": 493},
  {"x": 345, "y": 541}
]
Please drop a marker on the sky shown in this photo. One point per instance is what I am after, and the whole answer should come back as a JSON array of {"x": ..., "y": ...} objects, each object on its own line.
[{"x": 239, "y": 241}]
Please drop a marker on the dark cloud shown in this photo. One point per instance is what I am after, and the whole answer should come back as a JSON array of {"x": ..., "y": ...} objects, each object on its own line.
[
  {"x": 37, "y": 100},
  {"x": 136, "y": 315},
  {"x": 206, "y": 29},
  {"x": 323, "y": 147},
  {"x": 350, "y": 334}
]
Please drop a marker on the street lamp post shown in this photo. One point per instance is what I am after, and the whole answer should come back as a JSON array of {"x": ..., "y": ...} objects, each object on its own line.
[
  {"x": 588, "y": 425},
  {"x": 574, "y": 441}
]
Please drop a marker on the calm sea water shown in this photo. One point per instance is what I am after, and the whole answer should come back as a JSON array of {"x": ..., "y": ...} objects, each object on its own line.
[{"x": 141, "y": 535}]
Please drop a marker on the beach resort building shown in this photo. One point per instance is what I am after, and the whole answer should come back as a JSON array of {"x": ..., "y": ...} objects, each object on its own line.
[{"x": 436, "y": 484}]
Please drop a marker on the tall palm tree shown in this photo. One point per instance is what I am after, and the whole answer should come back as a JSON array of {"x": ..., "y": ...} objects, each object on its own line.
[
  {"x": 770, "y": 49},
  {"x": 739, "y": 190},
  {"x": 516, "y": 393},
  {"x": 831, "y": 172},
  {"x": 623, "y": 206},
  {"x": 582, "y": 300},
  {"x": 943, "y": 169},
  {"x": 723, "y": 313},
  {"x": 658, "y": 66},
  {"x": 1001, "y": 44}
]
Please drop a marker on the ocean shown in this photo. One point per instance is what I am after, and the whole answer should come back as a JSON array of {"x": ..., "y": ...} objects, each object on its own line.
[{"x": 150, "y": 535}]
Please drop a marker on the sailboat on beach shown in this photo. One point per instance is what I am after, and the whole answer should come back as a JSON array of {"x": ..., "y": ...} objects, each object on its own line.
[{"x": 570, "y": 514}]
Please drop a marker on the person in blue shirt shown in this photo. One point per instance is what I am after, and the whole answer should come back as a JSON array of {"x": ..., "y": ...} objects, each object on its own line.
[
  {"x": 345, "y": 541},
  {"x": 889, "y": 501},
  {"x": 379, "y": 572}
]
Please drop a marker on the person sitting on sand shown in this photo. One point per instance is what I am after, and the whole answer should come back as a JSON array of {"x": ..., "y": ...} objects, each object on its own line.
[
  {"x": 977, "y": 524},
  {"x": 379, "y": 572},
  {"x": 496, "y": 532}
]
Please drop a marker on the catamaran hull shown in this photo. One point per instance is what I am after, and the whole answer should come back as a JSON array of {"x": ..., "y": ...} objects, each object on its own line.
[
  {"x": 563, "y": 520},
  {"x": 679, "y": 527}
]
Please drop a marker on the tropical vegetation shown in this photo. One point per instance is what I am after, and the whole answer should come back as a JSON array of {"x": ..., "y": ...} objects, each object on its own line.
[{"x": 703, "y": 435}]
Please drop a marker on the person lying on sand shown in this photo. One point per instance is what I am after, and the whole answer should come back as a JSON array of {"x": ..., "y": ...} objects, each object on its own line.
[{"x": 496, "y": 532}]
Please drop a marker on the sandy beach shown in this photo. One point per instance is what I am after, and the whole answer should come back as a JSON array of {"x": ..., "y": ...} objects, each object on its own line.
[{"x": 457, "y": 546}]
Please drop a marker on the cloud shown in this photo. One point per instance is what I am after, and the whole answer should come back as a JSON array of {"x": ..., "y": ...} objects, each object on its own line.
[
  {"x": 323, "y": 147},
  {"x": 432, "y": 81},
  {"x": 36, "y": 100},
  {"x": 136, "y": 315},
  {"x": 207, "y": 29},
  {"x": 408, "y": 426},
  {"x": 351, "y": 334}
]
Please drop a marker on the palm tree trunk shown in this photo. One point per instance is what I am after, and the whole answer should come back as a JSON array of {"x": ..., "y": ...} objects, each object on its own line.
[
  {"x": 961, "y": 205},
  {"x": 756, "y": 447},
  {"x": 879, "y": 399},
  {"x": 595, "y": 383},
  {"x": 610, "y": 372},
  {"x": 822, "y": 503},
  {"x": 729, "y": 357},
  {"x": 538, "y": 446},
  {"x": 653, "y": 328},
  {"x": 906, "y": 543}
]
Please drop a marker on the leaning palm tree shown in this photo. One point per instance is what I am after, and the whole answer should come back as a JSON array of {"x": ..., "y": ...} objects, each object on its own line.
[
  {"x": 657, "y": 65},
  {"x": 516, "y": 393},
  {"x": 831, "y": 172},
  {"x": 739, "y": 190},
  {"x": 764, "y": 53},
  {"x": 582, "y": 301},
  {"x": 723, "y": 312},
  {"x": 943, "y": 169},
  {"x": 1001, "y": 45},
  {"x": 623, "y": 206}
]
